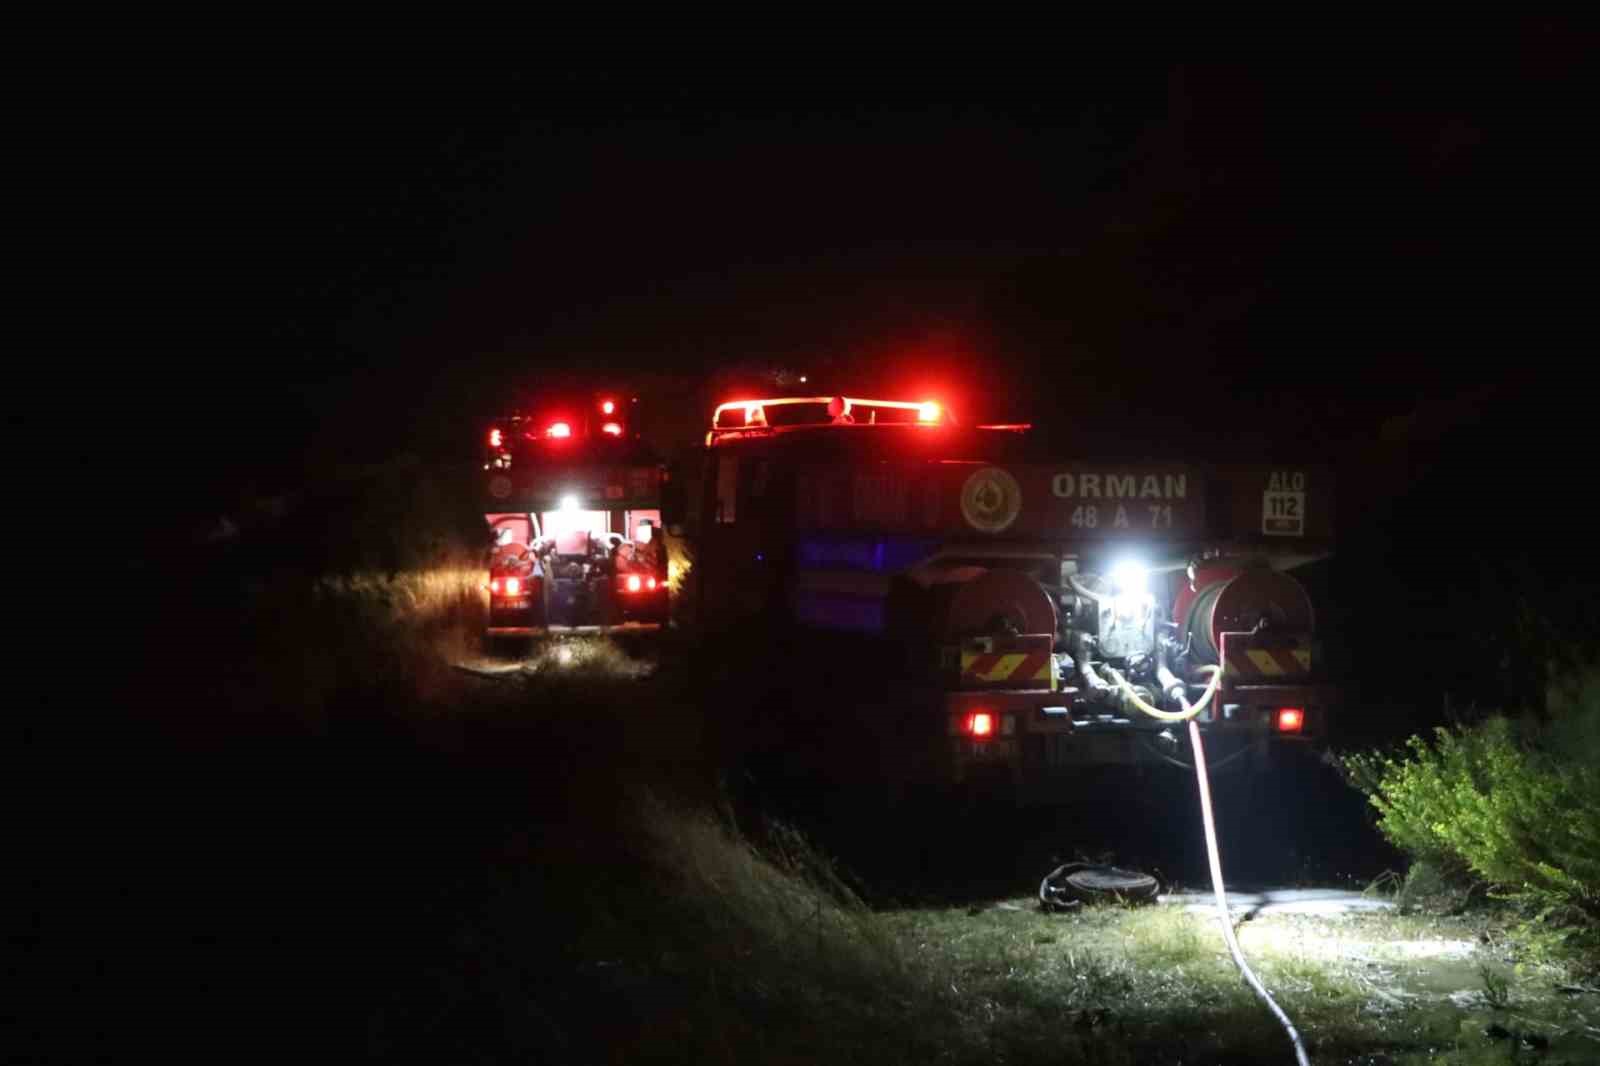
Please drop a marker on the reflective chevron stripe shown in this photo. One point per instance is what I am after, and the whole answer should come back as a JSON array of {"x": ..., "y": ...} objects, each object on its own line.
[
  {"x": 1269, "y": 662},
  {"x": 1032, "y": 669}
]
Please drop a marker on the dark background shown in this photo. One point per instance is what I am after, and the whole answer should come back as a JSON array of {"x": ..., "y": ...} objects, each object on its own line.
[
  {"x": 1327, "y": 243},
  {"x": 1361, "y": 244},
  {"x": 1353, "y": 231}
]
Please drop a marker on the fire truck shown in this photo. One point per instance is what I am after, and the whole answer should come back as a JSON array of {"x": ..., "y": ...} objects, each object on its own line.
[
  {"x": 1041, "y": 593},
  {"x": 572, "y": 498}
]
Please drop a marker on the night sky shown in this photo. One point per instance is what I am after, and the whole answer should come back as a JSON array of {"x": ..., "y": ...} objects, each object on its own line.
[{"x": 368, "y": 255}]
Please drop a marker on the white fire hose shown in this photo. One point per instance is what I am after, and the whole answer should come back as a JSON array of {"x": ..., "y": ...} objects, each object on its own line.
[{"x": 1189, "y": 712}]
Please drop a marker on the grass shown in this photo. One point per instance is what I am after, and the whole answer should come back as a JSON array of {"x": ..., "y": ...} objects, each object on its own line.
[
  {"x": 380, "y": 849},
  {"x": 713, "y": 949},
  {"x": 1156, "y": 983}
]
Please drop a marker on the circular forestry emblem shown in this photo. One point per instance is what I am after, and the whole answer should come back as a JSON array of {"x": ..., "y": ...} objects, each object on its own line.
[
  {"x": 990, "y": 500},
  {"x": 499, "y": 486}
]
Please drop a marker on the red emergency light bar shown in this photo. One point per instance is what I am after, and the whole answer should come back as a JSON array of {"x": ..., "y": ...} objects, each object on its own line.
[{"x": 745, "y": 416}]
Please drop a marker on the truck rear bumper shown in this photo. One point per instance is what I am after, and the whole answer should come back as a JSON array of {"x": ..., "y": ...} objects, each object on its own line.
[
  {"x": 628, "y": 626},
  {"x": 508, "y": 620},
  {"x": 1040, "y": 734}
]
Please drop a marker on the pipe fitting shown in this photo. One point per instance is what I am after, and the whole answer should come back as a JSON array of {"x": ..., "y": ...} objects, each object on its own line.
[
  {"x": 1081, "y": 645},
  {"x": 1170, "y": 684},
  {"x": 1086, "y": 592}
]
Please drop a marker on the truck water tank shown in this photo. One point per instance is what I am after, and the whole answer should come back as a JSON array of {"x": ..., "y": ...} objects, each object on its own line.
[{"x": 1229, "y": 601}]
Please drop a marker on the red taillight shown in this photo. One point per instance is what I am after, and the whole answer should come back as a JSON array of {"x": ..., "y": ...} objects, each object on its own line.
[
  {"x": 981, "y": 724},
  {"x": 633, "y": 582},
  {"x": 513, "y": 586},
  {"x": 649, "y": 582},
  {"x": 928, "y": 412},
  {"x": 1291, "y": 719},
  {"x": 495, "y": 438},
  {"x": 611, "y": 429},
  {"x": 608, "y": 408},
  {"x": 558, "y": 429}
]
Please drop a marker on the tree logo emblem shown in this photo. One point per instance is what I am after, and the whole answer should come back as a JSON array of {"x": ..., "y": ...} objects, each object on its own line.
[{"x": 990, "y": 500}]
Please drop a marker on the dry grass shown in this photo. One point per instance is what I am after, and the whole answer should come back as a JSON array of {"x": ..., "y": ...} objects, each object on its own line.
[
  {"x": 420, "y": 599},
  {"x": 703, "y": 946},
  {"x": 288, "y": 647},
  {"x": 439, "y": 612},
  {"x": 611, "y": 922}
]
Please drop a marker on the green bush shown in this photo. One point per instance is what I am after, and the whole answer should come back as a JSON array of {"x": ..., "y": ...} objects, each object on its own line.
[{"x": 1513, "y": 804}]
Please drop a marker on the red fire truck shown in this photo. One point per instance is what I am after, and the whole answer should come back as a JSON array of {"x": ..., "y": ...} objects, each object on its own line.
[
  {"x": 573, "y": 501},
  {"x": 1043, "y": 591}
]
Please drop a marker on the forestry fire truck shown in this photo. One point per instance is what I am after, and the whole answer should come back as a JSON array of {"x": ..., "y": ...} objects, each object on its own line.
[
  {"x": 1044, "y": 592},
  {"x": 573, "y": 501}
]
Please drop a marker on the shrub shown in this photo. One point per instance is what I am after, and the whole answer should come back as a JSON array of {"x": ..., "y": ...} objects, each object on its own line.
[{"x": 1516, "y": 805}]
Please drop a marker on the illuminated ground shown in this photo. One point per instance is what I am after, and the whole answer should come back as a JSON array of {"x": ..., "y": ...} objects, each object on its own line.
[
  {"x": 1324, "y": 902},
  {"x": 619, "y": 654},
  {"x": 1353, "y": 973}
]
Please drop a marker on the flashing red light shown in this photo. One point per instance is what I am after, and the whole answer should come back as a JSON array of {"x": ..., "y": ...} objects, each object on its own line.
[
  {"x": 495, "y": 438},
  {"x": 494, "y": 585},
  {"x": 611, "y": 429},
  {"x": 649, "y": 582},
  {"x": 981, "y": 724},
  {"x": 558, "y": 429},
  {"x": 513, "y": 586},
  {"x": 608, "y": 408},
  {"x": 633, "y": 583},
  {"x": 929, "y": 412},
  {"x": 1291, "y": 719}
]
